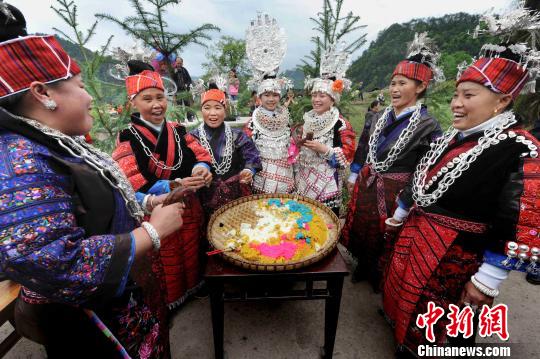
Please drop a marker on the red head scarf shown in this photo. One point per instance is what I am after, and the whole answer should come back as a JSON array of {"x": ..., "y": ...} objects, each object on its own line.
[
  {"x": 33, "y": 58},
  {"x": 144, "y": 80},
  {"x": 414, "y": 70},
  {"x": 213, "y": 95},
  {"x": 498, "y": 74}
]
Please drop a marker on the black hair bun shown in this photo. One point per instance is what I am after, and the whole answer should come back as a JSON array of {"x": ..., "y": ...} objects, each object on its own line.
[
  {"x": 12, "y": 22},
  {"x": 212, "y": 86},
  {"x": 509, "y": 54},
  {"x": 136, "y": 67},
  {"x": 422, "y": 59}
]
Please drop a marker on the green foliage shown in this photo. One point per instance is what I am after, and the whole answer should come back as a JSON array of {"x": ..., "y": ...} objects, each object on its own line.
[
  {"x": 449, "y": 32},
  {"x": 90, "y": 62},
  {"x": 332, "y": 28},
  {"x": 227, "y": 53},
  {"x": 438, "y": 102},
  {"x": 151, "y": 28}
]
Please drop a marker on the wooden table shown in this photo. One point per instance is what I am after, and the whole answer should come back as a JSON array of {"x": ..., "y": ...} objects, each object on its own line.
[
  {"x": 8, "y": 294},
  {"x": 228, "y": 283}
]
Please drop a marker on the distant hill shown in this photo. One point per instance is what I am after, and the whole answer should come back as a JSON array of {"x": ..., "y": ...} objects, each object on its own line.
[
  {"x": 296, "y": 76},
  {"x": 376, "y": 64}
]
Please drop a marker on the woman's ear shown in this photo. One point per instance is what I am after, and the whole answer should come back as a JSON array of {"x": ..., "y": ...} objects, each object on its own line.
[
  {"x": 420, "y": 88},
  {"x": 504, "y": 102},
  {"x": 132, "y": 103},
  {"x": 39, "y": 91}
]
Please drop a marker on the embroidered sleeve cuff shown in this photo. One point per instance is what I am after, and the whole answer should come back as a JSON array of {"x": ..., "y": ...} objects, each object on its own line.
[
  {"x": 490, "y": 275},
  {"x": 123, "y": 282},
  {"x": 355, "y": 168},
  {"x": 160, "y": 187},
  {"x": 119, "y": 266}
]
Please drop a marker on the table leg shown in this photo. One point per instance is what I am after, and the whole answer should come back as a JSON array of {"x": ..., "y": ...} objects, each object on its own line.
[
  {"x": 217, "y": 304},
  {"x": 331, "y": 315}
]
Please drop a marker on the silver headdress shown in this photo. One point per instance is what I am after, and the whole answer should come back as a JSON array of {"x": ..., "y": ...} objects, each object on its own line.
[
  {"x": 423, "y": 45},
  {"x": 137, "y": 51},
  {"x": 515, "y": 21},
  {"x": 198, "y": 87},
  {"x": 334, "y": 64},
  {"x": 266, "y": 45}
]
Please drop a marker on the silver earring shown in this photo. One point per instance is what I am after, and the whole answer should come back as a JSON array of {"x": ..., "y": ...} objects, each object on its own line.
[{"x": 50, "y": 105}]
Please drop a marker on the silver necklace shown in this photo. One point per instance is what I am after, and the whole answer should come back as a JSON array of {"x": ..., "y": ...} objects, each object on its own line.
[
  {"x": 455, "y": 168},
  {"x": 98, "y": 160},
  {"x": 226, "y": 160},
  {"x": 404, "y": 138},
  {"x": 274, "y": 127},
  {"x": 320, "y": 124},
  {"x": 158, "y": 163}
]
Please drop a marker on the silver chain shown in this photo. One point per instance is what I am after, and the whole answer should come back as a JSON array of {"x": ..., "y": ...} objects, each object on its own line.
[
  {"x": 226, "y": 160},
  {"x": 403, "y": 139},
  {"x": 454, "y": 168},
  {"x": 98, "y": 160},
  {"x": 148, "y": 152}
]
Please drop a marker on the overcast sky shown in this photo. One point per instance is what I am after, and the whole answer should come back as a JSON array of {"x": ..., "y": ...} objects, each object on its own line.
[{"x": 233, "y": 16}]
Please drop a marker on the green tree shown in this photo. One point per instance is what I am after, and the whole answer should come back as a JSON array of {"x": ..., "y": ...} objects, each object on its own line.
[
  {"x": 150, "y": 27},
  {"x": 90, "y": 63},
  {"x": 332, "y": 27},
  {"x": 227, "y": 53}
]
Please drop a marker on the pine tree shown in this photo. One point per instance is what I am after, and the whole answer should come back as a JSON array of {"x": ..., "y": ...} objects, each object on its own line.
[
  {"x": 332, "y": 28},
  {"x": 151, "y": 28},
  {"x": 91, "y": 63}
]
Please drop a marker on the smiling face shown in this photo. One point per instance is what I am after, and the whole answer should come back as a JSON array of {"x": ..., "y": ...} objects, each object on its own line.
[
  {"x": 152, "y": 104},
  {"x": 270, "y": 100},
  {"x": 321, "y": 102},
  {"x": 72, "y": 115},
  {"x": 404, "y": 92},
  {"x": 213, "y": 113},
  {"x": 474, "y": 104}
]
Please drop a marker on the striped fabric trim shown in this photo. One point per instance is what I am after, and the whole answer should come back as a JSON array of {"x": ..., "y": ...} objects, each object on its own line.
[{"x": 33, "y": 58}]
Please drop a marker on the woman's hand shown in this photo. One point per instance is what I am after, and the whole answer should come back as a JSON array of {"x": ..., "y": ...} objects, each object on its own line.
[
  {"x": 193, "y": 182},
  {"x": 350, "y": 187},
  {"x": 246, "y": 176},
  {"x": 316, "y": 146},
  {"x": 168, "y": 219},
  {"x": 473, "y": 297},
  {"x": 392, "y": 226},
  {"x": 154, "y": 201},
  {"x": 203, "y": 172}
]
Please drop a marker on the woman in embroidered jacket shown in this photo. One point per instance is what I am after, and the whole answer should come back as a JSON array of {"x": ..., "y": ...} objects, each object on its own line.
[
  {"x": 235, "y": 158},
  {"x": 326, "y": 146},
  {"x": 69, "y": 217},
  {"x": 269, "y": 129},
  {"x": 474, "y": 200},
  {"x": 382, "y": 166},
  {"x": 153, "y": 151}
]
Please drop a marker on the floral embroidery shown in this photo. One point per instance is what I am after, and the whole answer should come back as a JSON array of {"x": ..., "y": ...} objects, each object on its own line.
[{"x": 22, "y": 159}]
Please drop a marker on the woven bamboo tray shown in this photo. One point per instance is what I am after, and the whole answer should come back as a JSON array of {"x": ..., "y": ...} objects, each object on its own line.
[{"x": 240, "y": 211}]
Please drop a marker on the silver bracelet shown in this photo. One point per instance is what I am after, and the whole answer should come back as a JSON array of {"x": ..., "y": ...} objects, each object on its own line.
[
  {"x": 145, "y": 204},
  {"x": 154, "y": 235},
  {"x": 483, "y": 288}
]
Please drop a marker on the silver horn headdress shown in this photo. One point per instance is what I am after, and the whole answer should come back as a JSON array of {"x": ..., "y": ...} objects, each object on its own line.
[
  {"x": 266, "y": 45},
  {"x": 334, "y": 64}
]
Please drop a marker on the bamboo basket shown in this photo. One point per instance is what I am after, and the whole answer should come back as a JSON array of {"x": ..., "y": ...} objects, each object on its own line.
[{"x": 231, "y": 215}]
